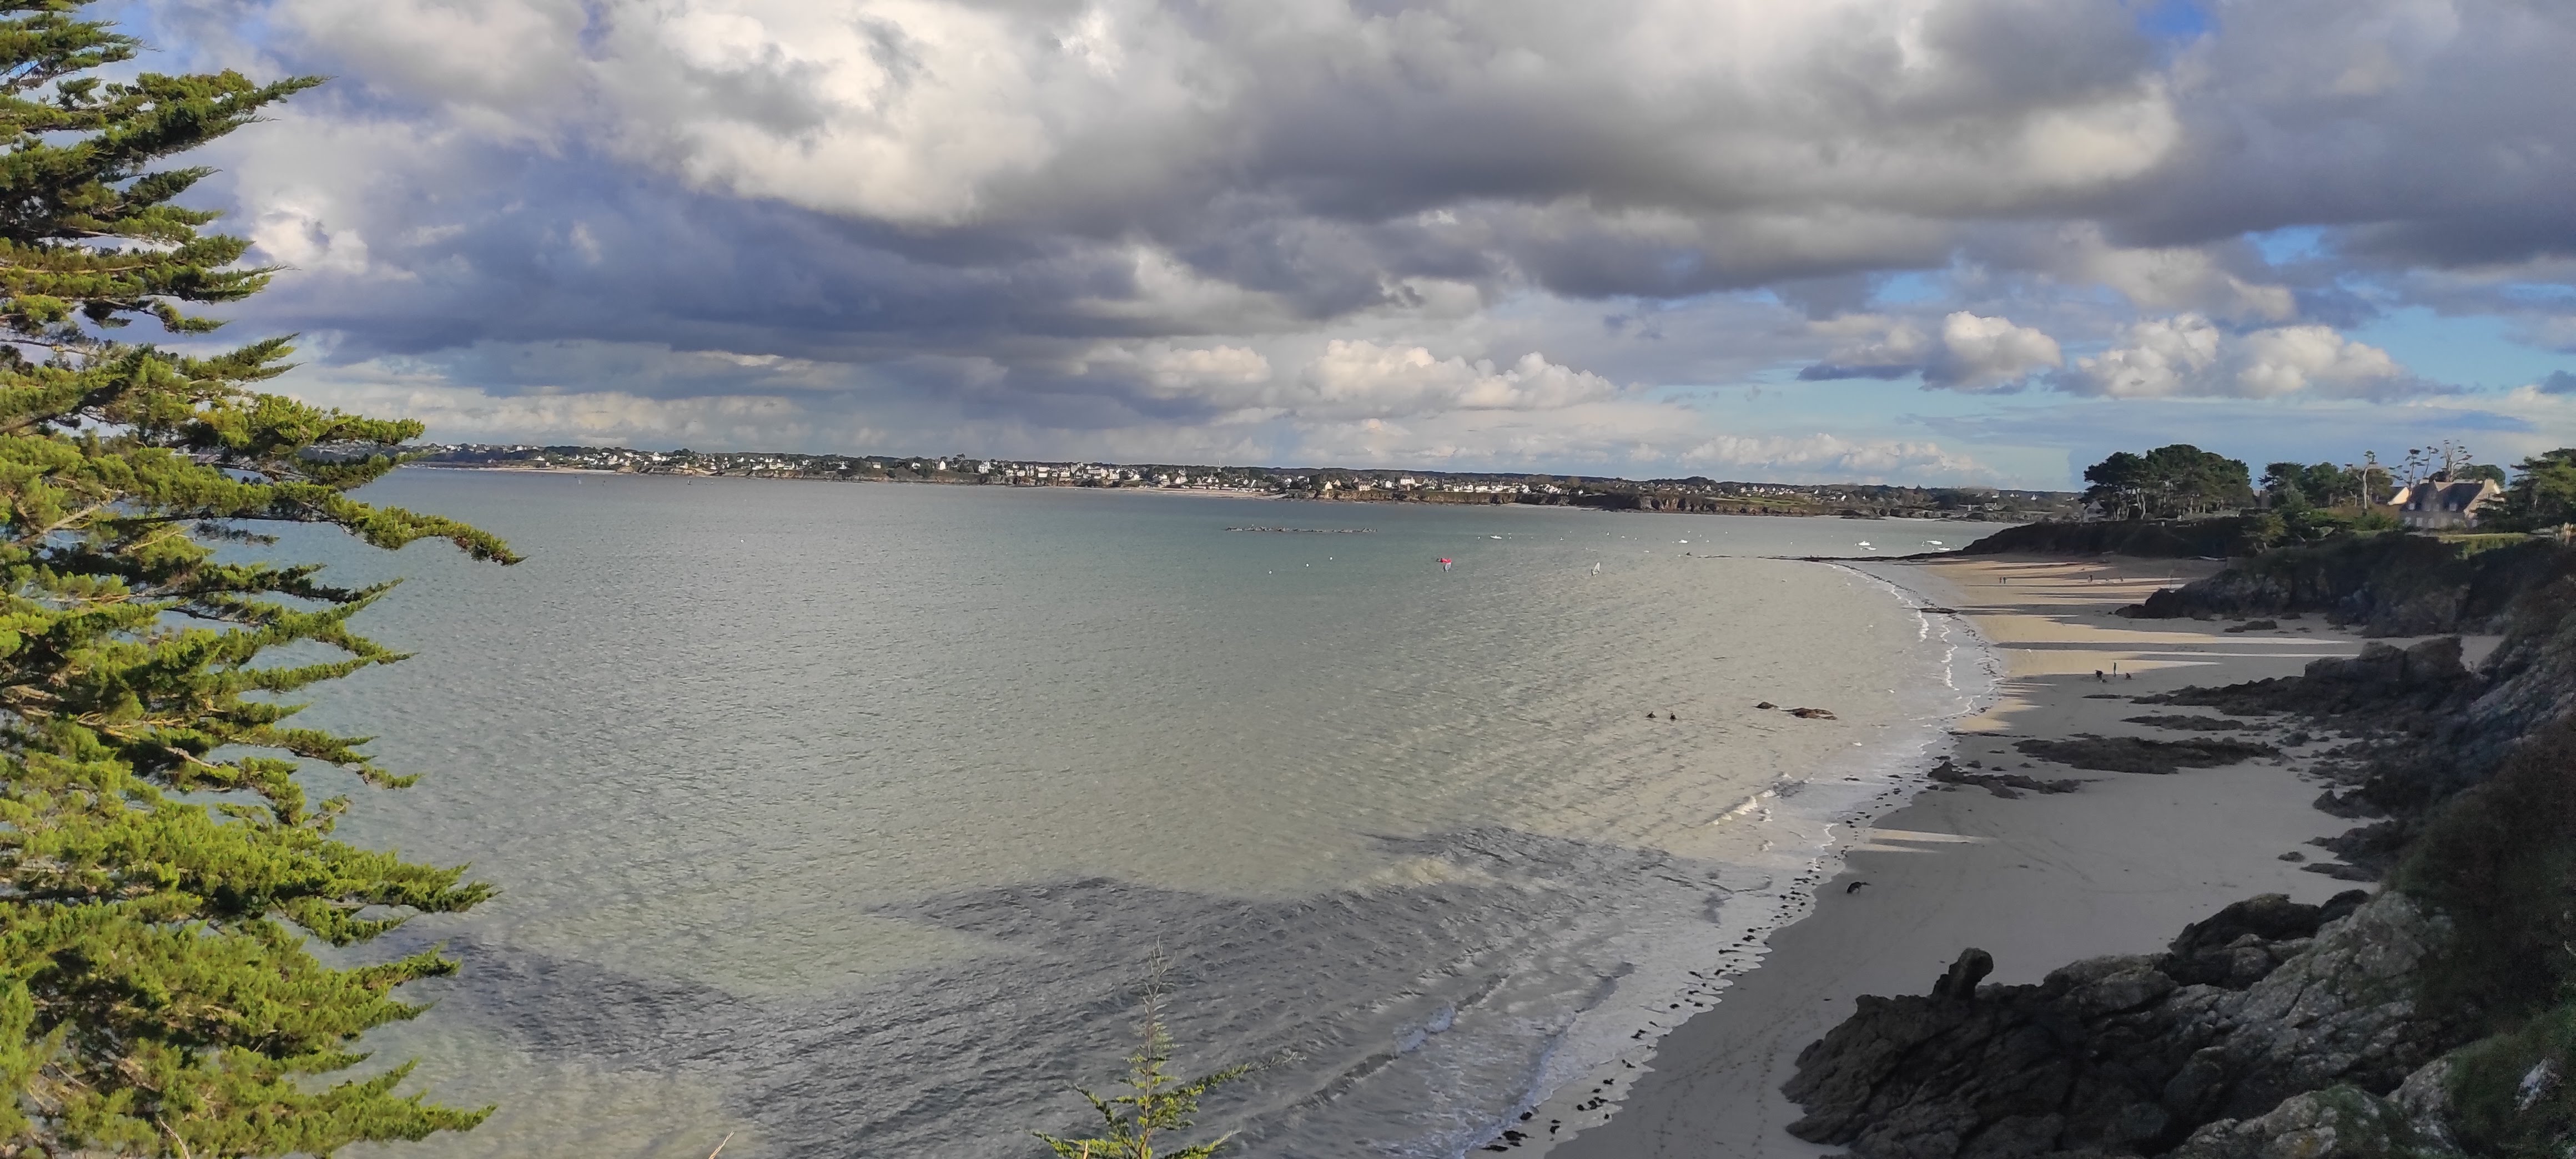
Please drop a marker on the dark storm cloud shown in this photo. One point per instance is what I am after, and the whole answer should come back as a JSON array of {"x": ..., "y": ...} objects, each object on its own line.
[{"x": 2423, "y": 132}]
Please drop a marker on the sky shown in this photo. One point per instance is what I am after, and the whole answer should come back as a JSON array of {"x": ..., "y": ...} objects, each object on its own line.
[{"x": 1919, "y": 241}]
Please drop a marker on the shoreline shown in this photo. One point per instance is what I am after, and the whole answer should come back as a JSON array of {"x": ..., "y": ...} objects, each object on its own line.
[
  {"x": 1985, "y": 526},
  {"x": 2039, "y": 880},
  {"x": 1821, "y": 815}
]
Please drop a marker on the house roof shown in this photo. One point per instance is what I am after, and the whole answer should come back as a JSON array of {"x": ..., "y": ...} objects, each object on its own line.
[{"x": 2462, "y": 495}]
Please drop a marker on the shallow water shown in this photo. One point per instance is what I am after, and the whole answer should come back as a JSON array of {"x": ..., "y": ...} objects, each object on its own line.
[{"x": 842, "y": 818}]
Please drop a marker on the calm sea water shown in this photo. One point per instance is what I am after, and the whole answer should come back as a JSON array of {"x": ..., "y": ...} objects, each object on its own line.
[{"x": 843, "y": 819}]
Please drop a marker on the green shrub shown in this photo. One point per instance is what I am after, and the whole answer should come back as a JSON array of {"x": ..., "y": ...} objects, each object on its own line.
[
  {"x": 2477, "y": 542},
  {"x": 2512, "y": 1095},
  {"x": 2500, "y": 861}
]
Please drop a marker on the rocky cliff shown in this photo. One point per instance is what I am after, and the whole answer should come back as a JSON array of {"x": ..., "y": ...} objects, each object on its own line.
[{"x": 2389, "y": 585}]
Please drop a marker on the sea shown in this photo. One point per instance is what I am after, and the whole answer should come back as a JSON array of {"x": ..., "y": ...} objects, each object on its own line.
[{"x": 844, "y": 819}]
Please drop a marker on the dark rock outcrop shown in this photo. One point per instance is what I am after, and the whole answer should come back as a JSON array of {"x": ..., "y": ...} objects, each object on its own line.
[
  {"x": 2240, "y": 945},
  {"x": 2340, "y": 1122},
  {"x": 2181, "y": 723},
  {"x": 2131, "y": 1055},
  {"x": 2129, "y": 754},
  {"x": 2391, "y": 585},
  {"x": 1960, "y": 980},
  {"x": 2000, "y": 784},
  {"x": 2374, "y": 686}
]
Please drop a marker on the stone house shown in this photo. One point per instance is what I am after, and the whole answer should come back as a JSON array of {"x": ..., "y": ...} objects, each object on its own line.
[{"x": 2439, "y": 503}]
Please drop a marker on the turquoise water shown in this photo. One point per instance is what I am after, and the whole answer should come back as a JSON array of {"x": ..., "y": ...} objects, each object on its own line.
[{"x": 842, "y": 818}]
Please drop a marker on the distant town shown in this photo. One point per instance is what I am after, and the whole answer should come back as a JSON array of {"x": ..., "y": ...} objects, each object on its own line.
[{"x": 1695, "y": 494}]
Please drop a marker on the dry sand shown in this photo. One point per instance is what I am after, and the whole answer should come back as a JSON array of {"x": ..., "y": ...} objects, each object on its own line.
[{"x": 2119, "y": 866}]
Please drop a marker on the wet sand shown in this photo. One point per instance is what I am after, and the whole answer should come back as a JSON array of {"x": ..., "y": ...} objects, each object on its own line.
[{"x": 2119, "y": 866}]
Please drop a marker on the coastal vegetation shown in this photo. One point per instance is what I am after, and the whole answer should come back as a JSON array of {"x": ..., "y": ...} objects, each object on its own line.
[
  {"x": 164, "y": 862},
  {"x": 2180, "y": 501},
  {"x": 1156, "y": 1101},
  {"x": 2177, "y": 481},
  {"x": 2543, "y": 494}
]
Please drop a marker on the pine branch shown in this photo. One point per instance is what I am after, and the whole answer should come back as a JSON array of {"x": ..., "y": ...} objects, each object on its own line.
[{"x": 161, "y": 865}]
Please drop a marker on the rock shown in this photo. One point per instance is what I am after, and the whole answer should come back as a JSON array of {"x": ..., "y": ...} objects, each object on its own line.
[
  {"x": 2425, "y": 1099},
  {"x": 2380, "y": 681},
  {"x": 2239, "y": 945},
  {"x": 2129, "y": 754},
  {"x": 2001, "y": 784},
  {"x": 2129, "y": 1055},
  {"x": 1960, "y": 981},
  {"x": 1766, "y": 704},
  {"x": 2385, "y": 668},
  {"x": 1812, "y": 714},
  {"x": 2191, "y": 723},
  {"x": 2340, "y": 1122},
  {"x": 2389, "y": 585},
  {"x": 2256, "y": 626}
]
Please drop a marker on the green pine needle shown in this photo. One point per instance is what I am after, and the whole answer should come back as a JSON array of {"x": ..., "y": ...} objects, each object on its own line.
[{"x": 161, "y": 869}]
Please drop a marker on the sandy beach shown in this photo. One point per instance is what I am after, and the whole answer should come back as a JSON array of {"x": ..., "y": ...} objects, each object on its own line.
[{"x": 2039, "y": 880}]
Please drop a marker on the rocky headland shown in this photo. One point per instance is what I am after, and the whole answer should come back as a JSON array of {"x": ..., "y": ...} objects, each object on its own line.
[{"x": 2433, "y": 1015}]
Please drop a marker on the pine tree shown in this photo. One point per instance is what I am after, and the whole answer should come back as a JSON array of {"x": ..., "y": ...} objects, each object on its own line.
[
  {"x": 1157, "y": 1101},
  {"x": 162, "y": 871}
]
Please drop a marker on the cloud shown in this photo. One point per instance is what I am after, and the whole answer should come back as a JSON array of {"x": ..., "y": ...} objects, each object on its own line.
[
  {"x": 1354, "y": 379},
  {"x": 2162, "y": 357},
  {"x": 1121, "y": 223},
  {"x": 1971, "y": 353},
  {"x": 1871, "y": 347},
  {"x": 2558, "y": 382},
  {"x": 2176, "y": 278},
  {"x": 1832, "y": 456},
  {"x": 2187, "y": 356},
  {"x": 1987, "y": 353},
  {"x": 602, "y": 417}
]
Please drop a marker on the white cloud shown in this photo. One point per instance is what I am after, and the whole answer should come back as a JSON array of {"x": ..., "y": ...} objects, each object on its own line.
[
  {"x": 466, "y": 414},
  {"x": 1971, "y": 352},
  {"x": 2291, "y": 359},
  {"x": 1353, "y": 379},
  {"x": 2176, "y": 279},
  {"x": 1979, "y": 353},
  {"x": 2161, "y": 357},
  {"x": 1869, "y": 346},
  {"x": 1823, "y": 455},
  {"x": 2188, "y": 356}
]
